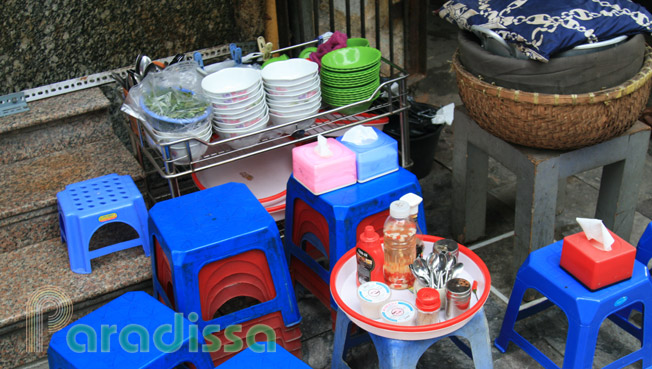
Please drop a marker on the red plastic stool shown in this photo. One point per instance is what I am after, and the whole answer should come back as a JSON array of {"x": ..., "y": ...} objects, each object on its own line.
[
  {"x": 288, "y": 338},
  {"x": 322, "y": 228},
  {"x": 214, "y": 246}
]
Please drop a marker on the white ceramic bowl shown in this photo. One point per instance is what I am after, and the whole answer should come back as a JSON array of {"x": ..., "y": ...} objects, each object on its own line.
[
  {"x": 243, "y": 142},
  {"x": 231, "y": 82},
  {"x": 241, "y": 106},
  {"x": 223, "y": 115},
  {"x": 239, "y": 101},
  {"x": 301, "y": 124},
  {"x": 305, "y": 82},
  {"x": 276, "y": 104},
  {"x": 289, "y": 70},
  {"x": 199, "y": 131},
  {"x": 290, "y": 82},
  {"x": 294, "y": 92},
  {"x": 179, "y": 151},
  {"x": 241, "y": 124},
  {"x": 282, "y": 99},
  {"x": 295, "y": 109}
]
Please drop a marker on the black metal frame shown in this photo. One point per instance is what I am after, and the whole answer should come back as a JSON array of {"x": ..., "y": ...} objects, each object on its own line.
[{"x": 298, "y": 21}]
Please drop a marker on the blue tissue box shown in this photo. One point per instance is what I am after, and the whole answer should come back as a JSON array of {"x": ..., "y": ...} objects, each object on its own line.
[{"x": 375, "y": 159}]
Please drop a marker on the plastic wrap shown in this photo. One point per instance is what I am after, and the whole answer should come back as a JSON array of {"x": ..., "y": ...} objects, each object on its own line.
[{"x": 170, "y": 101}]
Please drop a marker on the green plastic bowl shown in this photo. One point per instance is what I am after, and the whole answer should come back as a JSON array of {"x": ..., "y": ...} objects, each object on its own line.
[
  {"x": 354, "y": 109},
  {"x": 275, "y": 59},
  {"x": 367, "y": 74},
  {"x": 306, "y": 52},
  {"x": 350, "y": 91},
  {"x": 357, "y": 41},
  {"x": 351, "y": 59},
  {"x": 349, "y": 82}
]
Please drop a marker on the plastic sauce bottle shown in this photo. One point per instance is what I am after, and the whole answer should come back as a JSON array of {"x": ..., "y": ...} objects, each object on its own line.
[
  {"x": 415, "y": 200},
  {"x": 369, "y": 256},
  {"x": 428, "y": 304},
  {"x": 400, "y": 246}
]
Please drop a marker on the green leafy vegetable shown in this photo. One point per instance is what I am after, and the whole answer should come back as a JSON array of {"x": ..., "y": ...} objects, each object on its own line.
[{"x": 175, "y": 103}]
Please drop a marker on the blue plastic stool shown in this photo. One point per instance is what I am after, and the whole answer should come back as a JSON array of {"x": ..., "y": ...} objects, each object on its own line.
[
  {"x": 585, "y": 309},
  {"x": 274, "y": 357},
  {"x": 214, "y": 225},
  {"x": 644, "y": 249},
  {"x": 644, "y": 255},
  {"x": 86, "y": 206},
  {"x": 343, "y": 210},
  {"x": 401, "y": 354},
  {"x": 98, "y": 339}
]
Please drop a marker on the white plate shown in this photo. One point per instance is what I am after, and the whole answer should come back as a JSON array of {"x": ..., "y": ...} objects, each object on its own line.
[{"x": 266, "y": 175}]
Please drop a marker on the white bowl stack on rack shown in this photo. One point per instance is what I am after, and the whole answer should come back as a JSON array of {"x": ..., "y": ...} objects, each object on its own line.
[
  {"x": 178, "y": 152},
  {"x": 293, "y": 92},
  {"x": 239, "y": 105}
]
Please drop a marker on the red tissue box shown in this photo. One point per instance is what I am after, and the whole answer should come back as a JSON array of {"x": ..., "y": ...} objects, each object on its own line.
[{"x": 597, "y": 268}]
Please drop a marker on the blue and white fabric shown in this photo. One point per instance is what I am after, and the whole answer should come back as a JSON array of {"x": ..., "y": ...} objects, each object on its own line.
[{"x": 541, "y": 28}]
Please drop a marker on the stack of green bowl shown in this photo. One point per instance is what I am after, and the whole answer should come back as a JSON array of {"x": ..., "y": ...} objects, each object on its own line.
[{"x": 350, "y": 75}]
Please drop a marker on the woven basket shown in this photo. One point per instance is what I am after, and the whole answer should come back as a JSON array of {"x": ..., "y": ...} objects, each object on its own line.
[{"x": 552, "y": 121}]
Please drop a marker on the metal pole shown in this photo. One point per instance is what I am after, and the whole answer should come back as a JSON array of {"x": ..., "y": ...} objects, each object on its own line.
[
  {"x": 406, "y": 160},
  {"x": 362, "y": 19}
]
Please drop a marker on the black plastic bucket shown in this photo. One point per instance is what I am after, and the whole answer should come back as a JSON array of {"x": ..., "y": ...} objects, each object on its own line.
[{"x": 423, "y": 145}]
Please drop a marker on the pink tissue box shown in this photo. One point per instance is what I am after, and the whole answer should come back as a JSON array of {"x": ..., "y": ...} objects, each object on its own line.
[{"x": 319, "y": 174}]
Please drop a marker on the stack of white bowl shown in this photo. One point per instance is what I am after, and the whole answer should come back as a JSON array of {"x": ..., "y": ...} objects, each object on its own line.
[
  {"x": 178, "y": 151},
  {"x": 239, "y": 105},
  {"x": 293, "y": 92}
]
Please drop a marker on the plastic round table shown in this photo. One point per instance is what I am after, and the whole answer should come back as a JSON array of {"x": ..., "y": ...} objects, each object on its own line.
[{"x": 402, "y": 346}]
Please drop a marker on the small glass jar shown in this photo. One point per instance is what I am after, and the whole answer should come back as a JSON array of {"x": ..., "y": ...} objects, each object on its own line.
[{"x": 428, "y": 304}]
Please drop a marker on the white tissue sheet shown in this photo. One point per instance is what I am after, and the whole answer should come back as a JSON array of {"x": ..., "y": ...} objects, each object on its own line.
[
  {"x": 594, "y": 229},
  {"x": 322, "y": 148},
  {"x": 360, "y": 135},
  {"x": 445, "y": 115}
]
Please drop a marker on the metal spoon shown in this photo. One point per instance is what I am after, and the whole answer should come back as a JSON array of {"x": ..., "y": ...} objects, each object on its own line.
[
  {"x": 420, "y": 272},
  {"x": 142, "y": 65},
  {"x": 442, "y": 262},
  {"x": 433, "y": 265},
  {"x": 456, "y": 270}
]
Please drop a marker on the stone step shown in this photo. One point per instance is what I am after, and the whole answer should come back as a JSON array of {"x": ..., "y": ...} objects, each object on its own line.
[
  {"x": 38, "y": 276},
  {"x": 28, "y": 206},
  {"x": 54, "y": 124}
]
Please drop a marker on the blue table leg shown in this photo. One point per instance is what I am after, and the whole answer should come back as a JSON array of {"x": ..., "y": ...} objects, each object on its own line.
[{"x": 401, "y": 354}]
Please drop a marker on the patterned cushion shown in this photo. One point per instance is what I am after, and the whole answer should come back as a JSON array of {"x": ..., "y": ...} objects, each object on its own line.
[{"x": 542, "y": 28}]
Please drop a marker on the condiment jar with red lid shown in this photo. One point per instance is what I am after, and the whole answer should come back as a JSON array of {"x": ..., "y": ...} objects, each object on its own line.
[{"x": 427, "y": 304}]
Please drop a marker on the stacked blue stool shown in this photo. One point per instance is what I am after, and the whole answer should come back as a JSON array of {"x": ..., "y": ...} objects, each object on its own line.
[
  {"x": 334, "y": 221},
  {"x": 85, "y": 207},
  {"x": 585, "y": 309},
  {"x": 133, "y": 331},
  {"x": 219, "y": 244}
]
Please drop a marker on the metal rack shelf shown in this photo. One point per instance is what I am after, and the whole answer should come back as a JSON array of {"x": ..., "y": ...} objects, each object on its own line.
[{"x": 219, "y": 153}]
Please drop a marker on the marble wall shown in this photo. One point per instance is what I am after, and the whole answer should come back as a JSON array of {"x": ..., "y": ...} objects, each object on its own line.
[{"x": 47, "y": 41}]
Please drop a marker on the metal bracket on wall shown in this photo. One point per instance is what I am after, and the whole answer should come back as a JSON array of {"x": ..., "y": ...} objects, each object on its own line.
[
  {"x": 12, "y": 104},
  {"x": 98, "y": 79}
]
